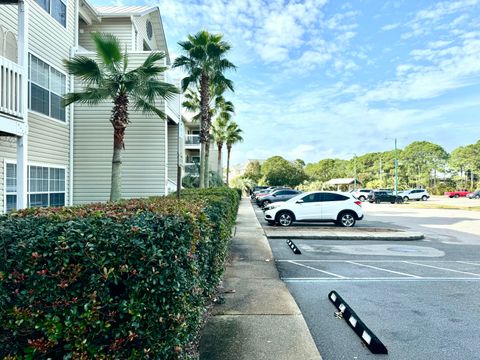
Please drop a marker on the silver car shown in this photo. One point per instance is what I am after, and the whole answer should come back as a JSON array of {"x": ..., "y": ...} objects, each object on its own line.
[{"x": 277, "y": 195}]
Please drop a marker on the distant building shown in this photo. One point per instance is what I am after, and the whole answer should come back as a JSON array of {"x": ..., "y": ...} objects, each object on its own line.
[{"x": 344, "y": 184}]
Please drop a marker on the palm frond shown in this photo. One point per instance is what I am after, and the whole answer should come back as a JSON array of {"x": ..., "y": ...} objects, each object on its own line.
[
  {"x": 85, "y": 69},
  {"x": 108, "y": 49},
  {"x": 146, "y": 107},
  {"x": 90, "y": 96}
]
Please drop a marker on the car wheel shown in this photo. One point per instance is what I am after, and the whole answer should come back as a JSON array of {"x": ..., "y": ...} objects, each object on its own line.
[
  {"x": 370, "y": 201},
  {"x": 265, "y": 203},
  {"x": 346, "y": 219},
  {"x": 399, "y": 201},
  {"x": 285, "y": 218},
  {"x": 456, "y": 196},
  {"x": 392, "y": 202},
  {"x": 377, "y": 201},
  {"x": 424, "y": 198},
  {"x": 362, "y": 198},
  {"x": 405, "y": 198}
]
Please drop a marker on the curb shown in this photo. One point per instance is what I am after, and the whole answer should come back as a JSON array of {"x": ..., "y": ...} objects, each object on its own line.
[{"x": 410, "y": 236}]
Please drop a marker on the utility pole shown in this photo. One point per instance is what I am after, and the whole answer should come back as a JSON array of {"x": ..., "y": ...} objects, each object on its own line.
[
  {"x": 396, "y": 168},
  {"x": 354, "y": 172}
]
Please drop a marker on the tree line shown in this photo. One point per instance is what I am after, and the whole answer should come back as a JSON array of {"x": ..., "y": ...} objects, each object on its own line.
[{"x": 421, "y": 164}]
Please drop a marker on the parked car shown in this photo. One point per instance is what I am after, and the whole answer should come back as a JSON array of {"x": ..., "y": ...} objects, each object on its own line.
[
  {"x": 457, "y": 193},
  {"x": 276, "y": 196},
  {"x": 321, "y": 206},
  {"x": 361, "y": 194},
  {"x": 414, "y": 194},
  {"x": 263, "y": 191},
  {"x": 474, "y": 195},
  {"x": 379, "y": 196},
  {"x": 267, "y": 192}
]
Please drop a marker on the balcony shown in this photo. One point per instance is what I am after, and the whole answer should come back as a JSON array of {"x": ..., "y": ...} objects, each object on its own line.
[
  {"x": 11, "y": 88},
  {"x": 192, "y": 141}
]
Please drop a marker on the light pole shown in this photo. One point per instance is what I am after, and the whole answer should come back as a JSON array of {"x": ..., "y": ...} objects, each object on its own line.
[
  {"x": 354, "y": 171},
  {"x": 396, "y": 165},
  {"x": 396, "y": 169}
]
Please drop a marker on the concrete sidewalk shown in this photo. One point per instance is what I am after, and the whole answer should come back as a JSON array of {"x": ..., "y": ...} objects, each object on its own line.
[{"x": 259, "y": 319}]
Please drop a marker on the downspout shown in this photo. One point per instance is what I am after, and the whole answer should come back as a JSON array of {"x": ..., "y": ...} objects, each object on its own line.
[
  {"x": 72, "y": 107},
  {"x": 134, "y": 33}
]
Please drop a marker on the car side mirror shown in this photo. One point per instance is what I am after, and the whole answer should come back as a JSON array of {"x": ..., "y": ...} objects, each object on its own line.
[{"x": 300, "y": 201}]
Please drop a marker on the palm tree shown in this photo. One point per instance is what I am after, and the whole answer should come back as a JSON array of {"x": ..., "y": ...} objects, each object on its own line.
[
  {"x": 109, "y": 78},
  {"x": 204, "y": 60},
  {"x": 224, "y": 110},
  {"x": 232, "y": 137}
]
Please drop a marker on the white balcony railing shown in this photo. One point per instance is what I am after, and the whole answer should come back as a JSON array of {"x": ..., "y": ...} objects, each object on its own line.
[
  {"x": 191, "y": 139},
  {"x": 11, "y": 88}
]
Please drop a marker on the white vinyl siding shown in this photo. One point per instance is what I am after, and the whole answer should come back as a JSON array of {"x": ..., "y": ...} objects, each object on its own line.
[
  {"x": 120, "y": 27},
  {"x": 143, "y": 160},
  {"x": 141, "y": 24},
  {"x": 172, "y": 152}
]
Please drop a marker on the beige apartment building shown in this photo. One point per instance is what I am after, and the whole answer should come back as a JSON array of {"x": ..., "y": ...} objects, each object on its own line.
[{"x": 53, "y": 156}]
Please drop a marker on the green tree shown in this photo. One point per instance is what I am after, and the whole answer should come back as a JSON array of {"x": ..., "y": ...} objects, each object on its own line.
[
  {"x": 110, "y": 78},
  {"x": 253, "y": 171},
  {"x": 327, "y": 169},
  {"x": 278, "y": 172},
  {"x": 466, "y": 159},
  {"x": 233, "y": 136},
  {"x": 204, "y": 59},
  {"x": 421, "y": 158}
]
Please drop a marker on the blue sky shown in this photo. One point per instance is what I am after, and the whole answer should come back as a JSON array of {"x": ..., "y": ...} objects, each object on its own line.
[{"x": 320, "y": 78}]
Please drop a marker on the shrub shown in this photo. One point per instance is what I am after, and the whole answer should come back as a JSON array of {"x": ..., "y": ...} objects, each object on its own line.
[{"x": 122, "y": 280}]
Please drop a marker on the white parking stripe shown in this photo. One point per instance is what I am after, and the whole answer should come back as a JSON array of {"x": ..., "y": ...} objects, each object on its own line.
[
  {"x": 381, "y": 269},
  {"x": 315, "y": 269},
  {"x": 389, "y": 279},
  {"x": 468, "y": 263},
  {"x": 442, "y": 268}
]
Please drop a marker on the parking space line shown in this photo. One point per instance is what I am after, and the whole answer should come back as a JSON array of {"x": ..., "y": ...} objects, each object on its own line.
[
  {"x": 315, "y": 269},
  {"x": 468, "y": 263},
  {"x": 442, "y": 268},
  {"x": 387, "y": 279},
  {"x": 376, "y": 261},
  {"x": 382, "y": 269}
]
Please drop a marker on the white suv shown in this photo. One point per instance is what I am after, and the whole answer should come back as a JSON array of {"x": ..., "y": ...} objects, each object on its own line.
[
  {"x": 361, "y": 194},
  {"x": 321, "y": 206},
  {"x": 414, "y": 194}
]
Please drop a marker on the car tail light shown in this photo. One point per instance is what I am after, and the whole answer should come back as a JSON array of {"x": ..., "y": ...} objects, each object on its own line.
[{"x": 359, "y": 203}]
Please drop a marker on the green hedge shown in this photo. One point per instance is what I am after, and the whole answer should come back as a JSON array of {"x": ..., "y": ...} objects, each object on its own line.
[{"x": 121, "y": 280}]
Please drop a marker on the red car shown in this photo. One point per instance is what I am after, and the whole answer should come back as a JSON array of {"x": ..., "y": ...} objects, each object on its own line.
[{"x": 456, "y": 193}]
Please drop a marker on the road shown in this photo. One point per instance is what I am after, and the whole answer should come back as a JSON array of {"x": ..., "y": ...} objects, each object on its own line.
[{"x": 419, "y": 297}]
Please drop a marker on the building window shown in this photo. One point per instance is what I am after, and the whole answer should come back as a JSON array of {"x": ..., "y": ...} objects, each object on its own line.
[
  {"x": 11, "y": 187},
  {"x": 47, "y": 86},
  {"x": 56, "y": 8},
  {"x": 46, "y": 186}
]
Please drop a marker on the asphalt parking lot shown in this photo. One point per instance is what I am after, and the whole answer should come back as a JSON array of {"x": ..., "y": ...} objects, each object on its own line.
[{"x": 419, "y": 297}]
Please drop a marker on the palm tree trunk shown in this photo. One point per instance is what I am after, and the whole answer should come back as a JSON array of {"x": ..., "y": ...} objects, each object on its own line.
[
  {"x": 229, "y": 149},
  {"x": 202, "y": 165},
  {"x": 219, "y": 160},
  {"x": 204, "y": 128},
  {"x": 119, "y": 122},
  {"x": 207, "y": 163}
]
